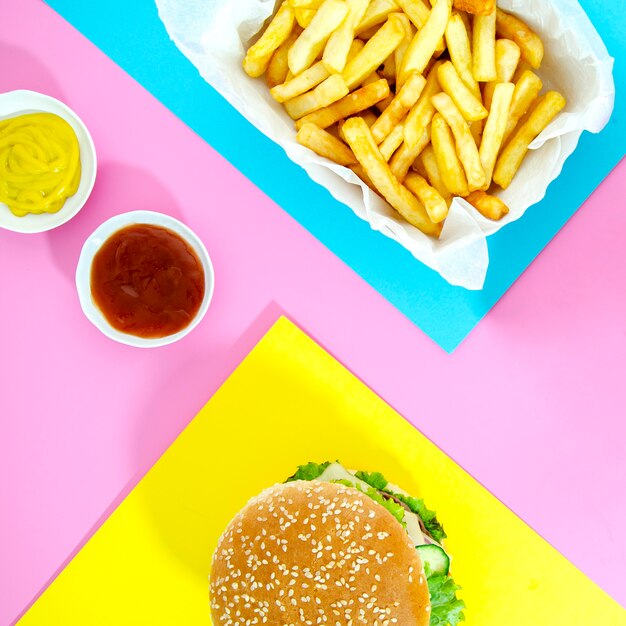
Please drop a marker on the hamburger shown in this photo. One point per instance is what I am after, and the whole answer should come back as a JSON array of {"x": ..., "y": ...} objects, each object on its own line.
[{"x": 332, "y": 546}]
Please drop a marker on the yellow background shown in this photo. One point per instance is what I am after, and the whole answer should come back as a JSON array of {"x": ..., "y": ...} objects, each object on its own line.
[{"x": 290, "y": 402}]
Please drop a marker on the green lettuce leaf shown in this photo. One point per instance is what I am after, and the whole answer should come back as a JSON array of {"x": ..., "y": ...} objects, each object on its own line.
[
  {"x": 378, "y": 481},
  {"x": 310, "y": 471},
  {"x": 446, "y": 609},
  {"x": 375, "y": 479}
]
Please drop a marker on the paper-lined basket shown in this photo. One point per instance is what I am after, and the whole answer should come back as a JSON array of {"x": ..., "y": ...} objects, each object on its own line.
[{"x": 214, "y": 36}]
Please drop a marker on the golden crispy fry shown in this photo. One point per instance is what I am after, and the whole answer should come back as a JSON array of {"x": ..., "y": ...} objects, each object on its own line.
[
  {"x": 278, "y": 67},
  {"x": 336, "y": 51},
  {"x": 376, "y": 14},
  {"x": 368, "y": 116},
  {"x": 522, "y": 66},
  {"x": 415, "y": 10},
  {"x": 304, "y": 17},
  {"x": 490, "y": 206},
  {"x": 404, "y": 156},
  {"x": 325, "y": 145},
  {"x": 514, "y": 152},
  {"x": 259, "y": 55},
  {"x": 467, "y": 22},
  {"x": 476, "y": 128},
  {"x": 477, "y": 7},
  {"x": 388, "y": 69},
  {"x": 314, "y": 37},
  {"x": 357, "y": 101},
  {"x": 409, "y": 33},
  {"x": 392, "y": 142},
  {"x": 507, "y": 58},
  {"x": 302, "y": 83},
  {"x": 359, "y": 138},
  {"x": 431, "y": 169},
  {"x": 511, "y": 27},
  {"x": 399, "y": 107},
  {"x": 331, "y": 90},
  {"x": 470, "y": 106},
  {"x": 426, "y": 41},
  {"x": 376, "y": 50},
  {"x": 448, "y": 162},
  {"x": 460, "y": 52},
  {"x": 526, "y": 91},
  {"x": 385, "y": 102},
  {"x": 423, "y": 110},
  {"x": 370, "y": 32},
  {"x": 306, "y": 4},
  {"x": 494, "y": 128},
  {"x": 434, "y": 203},
  {"x": 465, "y": 144},
  {"x": 484, "y": 47}
]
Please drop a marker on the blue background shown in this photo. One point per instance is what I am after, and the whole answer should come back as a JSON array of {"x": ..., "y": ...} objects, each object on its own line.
[{"x": 131, "y": 34}]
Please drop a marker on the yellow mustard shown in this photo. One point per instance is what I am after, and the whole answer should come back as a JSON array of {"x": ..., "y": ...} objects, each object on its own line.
[{"x": 39, "y": 163}]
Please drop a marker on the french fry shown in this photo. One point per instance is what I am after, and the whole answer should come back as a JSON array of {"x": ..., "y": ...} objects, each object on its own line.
[
  {"x": 484, "y": 47},
  {"x": 429, "y": 163},
  {"x": 310, "y": 78},
  {"x": 359, "y": 138},
  {"x": 476, "y": 128},
  {"x": 490, "y": 207},
  {"x": 448, "y": 162},
  {"x": 522, "y": 66},
  {"x": 369, "y": 117},
  {"x": 399, "y": 107},
  {"x": 426, "y": 41},
  {"x": 460, "y": 52},
  {"x": 388, "y": 70},
  {"x": 465, "y": 145},
  {"x": 511, "y": 27},
  {"x": 468, "y": 104},
  {"x": 415, "y": 10},
  {"x": 302, "y": 83},
  {"x": 494, "y": 128},
  {"x": 357, "y": 101},
  {"x": 278, "y": 67},
  {"x": 422, "y": 111},
  {"x": 325, "y": 145},
  {"x": 514, "y": 152},
  {"x": 475, "y": 7},
  {"x": 526, "y": 91},
  {"x": 435, "y": 205},
  {"x": 404, "y": 156},
  {"x": 385, "y": 102},
  {"x": 336, "y": 51},
  {"x": 376, "y": 14},
  {"x": 467, "y": 22},
  {"x": 314, "y": 37},
  {"x": 507, "y": 58},
  {"x": 259, "y": 55},
  {"x": 304, "y": 17},
  {"x": 376, "y": 50},
  {"x": 365, "y": 35},
  {"x": 392, "y": 142},
  {"x": 332, "y": 89},
  {"x": 306, "y": 4},
  {"x": 409, "y": 33}
]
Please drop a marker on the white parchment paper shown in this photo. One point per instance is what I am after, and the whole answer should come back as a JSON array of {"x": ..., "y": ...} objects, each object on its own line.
[{"x": 214, "y": 35}]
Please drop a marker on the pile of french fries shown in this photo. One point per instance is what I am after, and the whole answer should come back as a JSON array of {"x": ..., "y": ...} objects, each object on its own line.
[{"x": 422, "y": 102}]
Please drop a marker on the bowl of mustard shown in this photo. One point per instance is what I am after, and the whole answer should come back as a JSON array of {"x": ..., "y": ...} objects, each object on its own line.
[{"x": 47, "y": 162}]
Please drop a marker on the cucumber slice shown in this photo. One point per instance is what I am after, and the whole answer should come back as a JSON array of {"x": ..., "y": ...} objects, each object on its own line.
[{"x": 438, "y": 561}]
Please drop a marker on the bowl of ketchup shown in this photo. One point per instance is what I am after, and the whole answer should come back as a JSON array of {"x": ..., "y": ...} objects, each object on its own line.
[{"x": 144, "y": 279}]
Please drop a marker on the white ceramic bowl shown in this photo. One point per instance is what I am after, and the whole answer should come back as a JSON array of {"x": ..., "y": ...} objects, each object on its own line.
[
  {"x": 93, "y": 244},
  {"x": 20, "y": 102}
]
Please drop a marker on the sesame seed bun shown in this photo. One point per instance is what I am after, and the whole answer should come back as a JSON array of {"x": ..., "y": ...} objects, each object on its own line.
[{"x": 317, "y": 553}]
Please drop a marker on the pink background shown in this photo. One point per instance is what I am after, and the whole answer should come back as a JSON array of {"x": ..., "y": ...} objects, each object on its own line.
[{"x": 532, "y": 404}]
